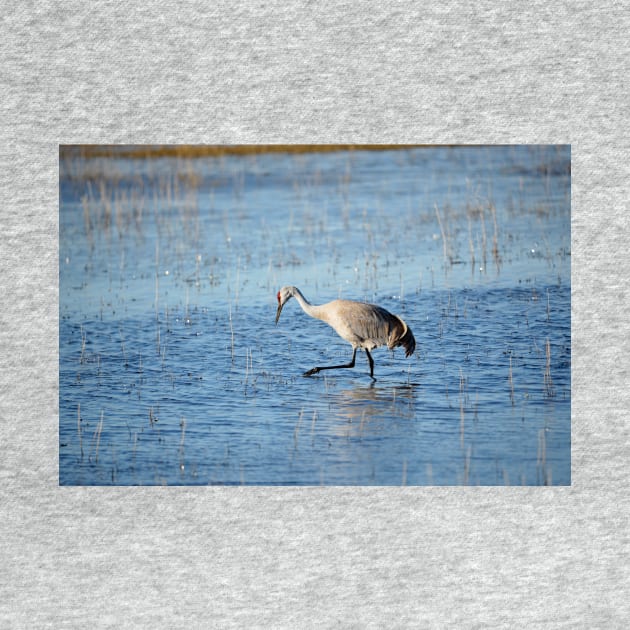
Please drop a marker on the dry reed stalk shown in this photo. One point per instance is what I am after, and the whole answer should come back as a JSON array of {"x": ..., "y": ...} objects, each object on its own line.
[
  {"x": 83, "y": 342},
  {"x": 471, "y": 244},
  {"x": 467, "y": 465},
  {"x": 238, "y": 280},
  {"x": 79, "y": 429},
  {"x": 445, "y": 245},
  {"x": 548, "y": 381},
  {"x": 137, "y": 201},
  {"x": 157, "y": 276},
  {"x": 461, "y": 407},
  {"x": 231, "y": 330},
  {"x": 296, "y": 430},
  {"x": 119, "y": 213},
  {"x": 86, "y": 218},
  {"x": 484, "y": 238},
  {"x": 105, "y": 204},
  {"x": 182, "y": 424},
  {"x": 495, "y": 238},
  {"x": 249, "y": 365},
  {"x": 548, "y": 311},
  {"x": 99, "y": 428}
]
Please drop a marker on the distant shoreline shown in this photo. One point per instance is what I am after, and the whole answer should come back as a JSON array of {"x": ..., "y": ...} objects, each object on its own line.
[{"x": 88, "y": 151}]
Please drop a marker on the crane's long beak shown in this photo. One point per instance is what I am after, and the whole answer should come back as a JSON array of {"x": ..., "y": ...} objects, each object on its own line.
[{"x": 278, "y": 312}]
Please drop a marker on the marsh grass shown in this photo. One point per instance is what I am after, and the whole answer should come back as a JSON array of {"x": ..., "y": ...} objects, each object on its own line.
[
  {"x": 549, "y": 388},
  {"x": 548, "y": 308},
  {"x": 462, "y": 387},
  {"x": 495, "y": 238},
  {"x": 187, "y": 152},
  {"x": 83, "y": 343},
  {"x": 296, "y": 429},
  {"x": 96, "y": 438},
  {"x": 467, "y": 459},
  {"x": 231, "y": 332},
  {"x": 182, "y": 424},
  {"x": 446, "y": 246},
  {"x": 79, "y": 431},
  {"x": 471, "y": 245},
  {"x": 511, "y": 383}
]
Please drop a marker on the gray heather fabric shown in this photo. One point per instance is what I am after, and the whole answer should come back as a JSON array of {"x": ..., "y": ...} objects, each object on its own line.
[{"x": 171, "y": 72}]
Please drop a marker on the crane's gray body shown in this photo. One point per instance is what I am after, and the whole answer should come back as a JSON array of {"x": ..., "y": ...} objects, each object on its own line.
[{"x": 365, "y": 326}]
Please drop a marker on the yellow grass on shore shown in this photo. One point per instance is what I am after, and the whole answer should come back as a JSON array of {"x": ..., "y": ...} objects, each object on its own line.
[{"x": 148, "y": 151}]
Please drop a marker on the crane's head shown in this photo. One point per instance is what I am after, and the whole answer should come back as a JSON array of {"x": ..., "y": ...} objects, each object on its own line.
[{"x": 284, "y": 295}]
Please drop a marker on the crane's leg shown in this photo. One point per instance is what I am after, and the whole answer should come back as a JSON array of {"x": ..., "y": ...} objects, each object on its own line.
[
  {"x": 371, "y": 360},
  {"x": 332, "y": 367}
]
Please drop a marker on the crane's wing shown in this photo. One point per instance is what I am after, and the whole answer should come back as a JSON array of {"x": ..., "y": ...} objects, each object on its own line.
[{"x": 369, "y": 326}]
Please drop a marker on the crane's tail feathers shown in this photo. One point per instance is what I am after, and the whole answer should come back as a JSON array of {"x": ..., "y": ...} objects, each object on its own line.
[{"x": 401, "y": 335}]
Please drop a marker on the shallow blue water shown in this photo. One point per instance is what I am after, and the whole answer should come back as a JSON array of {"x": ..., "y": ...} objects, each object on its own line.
[{"x": 172, "y": 370}]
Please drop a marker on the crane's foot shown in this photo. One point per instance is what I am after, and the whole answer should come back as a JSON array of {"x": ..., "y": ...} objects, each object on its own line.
[{"x": 315, "y": 370}]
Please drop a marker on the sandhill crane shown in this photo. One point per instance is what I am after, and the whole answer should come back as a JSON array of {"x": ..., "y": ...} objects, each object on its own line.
[{"x": 365, "y": 326}]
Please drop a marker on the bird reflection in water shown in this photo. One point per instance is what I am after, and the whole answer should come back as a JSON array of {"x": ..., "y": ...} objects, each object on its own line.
[{"x": 370, "y": 410}]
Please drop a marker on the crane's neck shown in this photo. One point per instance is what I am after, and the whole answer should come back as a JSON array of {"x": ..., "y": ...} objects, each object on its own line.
[{"x": 307, "y": 307}]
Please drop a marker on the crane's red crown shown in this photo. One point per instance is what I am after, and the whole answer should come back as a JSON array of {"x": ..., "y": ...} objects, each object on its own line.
[{"x": 278, "y": 296}]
